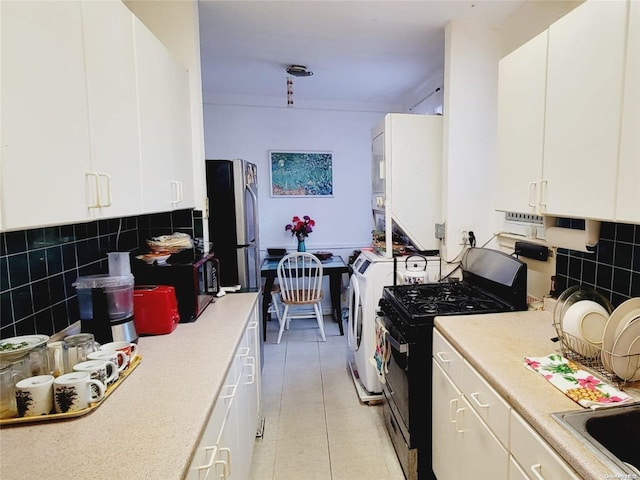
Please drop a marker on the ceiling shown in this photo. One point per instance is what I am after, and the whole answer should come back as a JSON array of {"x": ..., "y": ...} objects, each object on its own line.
[{"x": 359, "y": 51}]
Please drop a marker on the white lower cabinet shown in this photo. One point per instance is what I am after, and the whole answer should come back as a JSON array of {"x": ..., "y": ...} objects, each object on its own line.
[
  {"x": 534, "y": 455},
  {"x": 463, "y": 421},
  {"x": 476, "y": 433},
  {"x": 226, "y": 446}
]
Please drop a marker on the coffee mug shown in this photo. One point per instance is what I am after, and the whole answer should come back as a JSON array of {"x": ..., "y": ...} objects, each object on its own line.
[
  {"x": 105, "y": 371},
  {"x": 114, "y": 356},
  {"x": 34, "y": 396},
  {"x": 73, "y": 391},
  {"x": 129, "y": 349}
]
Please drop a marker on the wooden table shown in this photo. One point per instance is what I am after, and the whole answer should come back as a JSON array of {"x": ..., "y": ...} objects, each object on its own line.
[{"x": 334, "y": 267}]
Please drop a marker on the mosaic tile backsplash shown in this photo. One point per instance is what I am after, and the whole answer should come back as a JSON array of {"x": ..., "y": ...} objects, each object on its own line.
[
  {"x": 39, "y": 266},
  {"x": 613, "y": 269}
]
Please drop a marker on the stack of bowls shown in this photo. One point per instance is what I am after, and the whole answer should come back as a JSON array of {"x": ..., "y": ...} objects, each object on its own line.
[{"x": 621, "y": 341}]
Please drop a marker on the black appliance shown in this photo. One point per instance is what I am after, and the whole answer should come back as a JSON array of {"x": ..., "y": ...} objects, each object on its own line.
[
  {"x": 194, "y": 276},
  {"x": 491, "y": 282},
  {"x": 232, "y": 190}
]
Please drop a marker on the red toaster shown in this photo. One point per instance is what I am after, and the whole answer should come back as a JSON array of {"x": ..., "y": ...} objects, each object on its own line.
[{"x": 155, "y": 309}]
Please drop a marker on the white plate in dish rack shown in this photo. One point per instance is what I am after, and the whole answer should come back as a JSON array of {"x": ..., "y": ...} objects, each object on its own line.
[
  {"x": 625, "y": 361},
  {"x": 619, "y": 317}
]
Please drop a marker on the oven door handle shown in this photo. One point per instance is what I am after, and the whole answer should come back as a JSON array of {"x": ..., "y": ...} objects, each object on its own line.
[{"x": 400, "y": 347}]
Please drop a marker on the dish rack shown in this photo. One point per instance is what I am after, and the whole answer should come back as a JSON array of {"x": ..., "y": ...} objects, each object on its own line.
[{"x": 590, "y": 357}]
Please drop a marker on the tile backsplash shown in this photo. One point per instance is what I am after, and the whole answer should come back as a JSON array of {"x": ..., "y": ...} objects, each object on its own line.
[
  {"x": 39, "y": 266},
  {"x": 613, "y": 269}
]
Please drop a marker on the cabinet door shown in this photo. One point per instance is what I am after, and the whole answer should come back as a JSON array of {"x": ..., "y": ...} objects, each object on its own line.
[
  {"x": 487, "y": 403},
  {"x": 153, "y": 67},
  {"x": 534, "y": 454},
  {"x": 447, "y": 357},
  {"x": 521, "y": 98},
  {"x": 583, "y": 110},
  {"x": 113, "y": 112},
  {"x": 45, "y": 134},
  {"x": 181, "y": 143},
  {"x": 483, "y": 454},
  {"x": 628, "y": 195},
  {"x": 206, "y": 454},
  {"x": 446, "y": 443}
]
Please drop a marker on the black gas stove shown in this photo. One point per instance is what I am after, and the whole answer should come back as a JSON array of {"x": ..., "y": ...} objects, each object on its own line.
[{"x": 492, "y": 282}]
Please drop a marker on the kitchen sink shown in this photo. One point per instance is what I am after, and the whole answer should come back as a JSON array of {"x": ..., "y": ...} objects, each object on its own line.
[{"x": 611, "y": 433}]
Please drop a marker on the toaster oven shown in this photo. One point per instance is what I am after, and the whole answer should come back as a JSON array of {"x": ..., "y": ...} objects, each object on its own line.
[{"x": 194, "y": 276}]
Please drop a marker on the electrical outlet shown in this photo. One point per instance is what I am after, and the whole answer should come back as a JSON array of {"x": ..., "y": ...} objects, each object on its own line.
[
  {"x": 440, "y": 231},
  {"x": 464, "y": 238}
]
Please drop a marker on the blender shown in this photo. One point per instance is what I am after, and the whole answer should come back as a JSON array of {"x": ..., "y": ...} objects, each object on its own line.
[{"x": 106, "y": 304}]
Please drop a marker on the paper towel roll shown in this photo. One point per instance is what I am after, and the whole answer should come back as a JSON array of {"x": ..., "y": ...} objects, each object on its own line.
[{"x": 567, "y": 238}]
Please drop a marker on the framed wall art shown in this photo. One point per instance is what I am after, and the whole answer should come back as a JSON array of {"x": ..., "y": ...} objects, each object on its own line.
[{"x": 301, "y": 174}]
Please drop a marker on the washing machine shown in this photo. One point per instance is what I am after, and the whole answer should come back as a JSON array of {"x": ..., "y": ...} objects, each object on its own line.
[{"x": 371, "y": 272}]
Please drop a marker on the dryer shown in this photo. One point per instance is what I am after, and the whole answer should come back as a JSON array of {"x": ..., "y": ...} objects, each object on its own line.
[{"x": 371, "y": 272}]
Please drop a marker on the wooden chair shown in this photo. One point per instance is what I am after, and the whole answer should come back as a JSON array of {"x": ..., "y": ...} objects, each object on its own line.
[{"x": 300, "y": 280}]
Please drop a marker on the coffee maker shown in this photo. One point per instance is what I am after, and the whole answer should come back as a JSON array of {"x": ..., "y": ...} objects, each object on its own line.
[{"x": 106, "y": 302}]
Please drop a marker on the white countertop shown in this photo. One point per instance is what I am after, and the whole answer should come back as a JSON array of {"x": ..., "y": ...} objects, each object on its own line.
[
  {"x": 150, "y": 425},
  {"x": 495, "y": 345}
]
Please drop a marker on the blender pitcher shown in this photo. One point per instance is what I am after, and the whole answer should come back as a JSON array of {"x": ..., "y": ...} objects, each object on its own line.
[{"x": 106, "y": 307}]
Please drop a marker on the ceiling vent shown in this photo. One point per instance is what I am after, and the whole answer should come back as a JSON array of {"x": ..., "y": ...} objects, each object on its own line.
[{"x": 299, "y": 71}]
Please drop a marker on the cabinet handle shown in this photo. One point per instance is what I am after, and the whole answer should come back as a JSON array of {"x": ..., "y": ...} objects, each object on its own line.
[
  {"x": 442, "y": 358},
  {"x": 96, "y": 189},
  {"x": 244, "y": 351},
  {"x": 459, "y": 430},
  {"x": 478, "y": 402},
  {"x": 174, "y": 192},
  {"x": 536, "y": 470},
  {"x": 231, "y": 394},
  {"x": 543, "y": 193},
  {"x": 252, "y": 326},
  {"x": 211, "y": 460},
  {"x": 180, "y": 192},
  {"x": 533, "y": 186},
  {"x": 226, "y": 464},
  {"x": 108, "y": 178},
  {"x": 250, "y": 362},
  {"x": 452, "y": 403}
]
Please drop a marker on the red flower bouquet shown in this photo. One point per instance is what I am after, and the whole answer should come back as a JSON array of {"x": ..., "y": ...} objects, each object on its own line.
[{"x": 301, "y": 228}]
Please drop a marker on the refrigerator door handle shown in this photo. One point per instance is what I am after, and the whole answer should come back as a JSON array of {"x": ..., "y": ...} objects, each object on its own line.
[{"x": 256, "y": 250}]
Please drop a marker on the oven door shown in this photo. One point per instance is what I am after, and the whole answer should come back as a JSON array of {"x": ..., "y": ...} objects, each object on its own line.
[{"x": 396, "y": 387}]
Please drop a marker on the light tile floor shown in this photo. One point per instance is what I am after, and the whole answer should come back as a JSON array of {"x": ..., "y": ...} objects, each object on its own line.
[{"x": 315, "y": 426}]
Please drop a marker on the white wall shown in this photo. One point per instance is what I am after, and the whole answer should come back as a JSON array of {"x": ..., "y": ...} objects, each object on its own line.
[
  {"x": 472, "y": 53},
  {"x": 344, "y": 221}
]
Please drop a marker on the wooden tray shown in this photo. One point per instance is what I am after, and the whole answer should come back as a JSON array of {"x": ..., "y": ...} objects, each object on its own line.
[{"x": 78, "y": 413}]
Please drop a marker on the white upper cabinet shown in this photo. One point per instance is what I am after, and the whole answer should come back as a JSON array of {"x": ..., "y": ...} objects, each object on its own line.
[
  {"x": 165, "y": 142},
  {"x": 628, "y": 198},
  {"x": 45, "y": 134},
  {"x": 521, "y": 101},
  {"x": 95, "y": 116},
  {"x": 584, "y": 99},
  {"x": 568, "y": 117},
  {"x": 113, "y": 109}
]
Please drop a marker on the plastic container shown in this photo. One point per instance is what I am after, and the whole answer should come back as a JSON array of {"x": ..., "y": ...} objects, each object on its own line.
[{"x": 118, "y": 290}]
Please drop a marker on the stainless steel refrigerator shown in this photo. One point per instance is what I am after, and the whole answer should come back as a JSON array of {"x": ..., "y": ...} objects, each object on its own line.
[{"x": 232, "y": 189}]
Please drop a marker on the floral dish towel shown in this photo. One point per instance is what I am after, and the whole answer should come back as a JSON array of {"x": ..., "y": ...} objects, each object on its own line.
[{"x": 579, "y": 385}]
